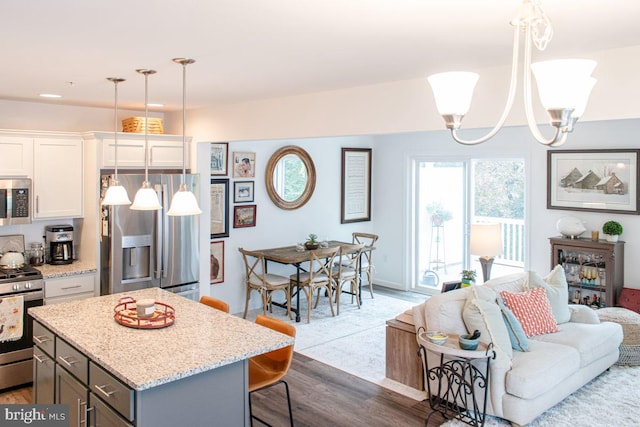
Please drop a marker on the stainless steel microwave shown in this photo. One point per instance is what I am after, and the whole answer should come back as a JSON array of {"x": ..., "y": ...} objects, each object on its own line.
[{"x": 15, "y": 201}]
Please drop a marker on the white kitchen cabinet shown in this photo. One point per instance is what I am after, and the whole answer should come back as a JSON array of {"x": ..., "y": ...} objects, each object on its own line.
[
  {"x": 164, "y": 151},
  {"x": 69, "y": 288},
  {"x": 57, "y": 178},
  {"x": 17, "y": 156}
]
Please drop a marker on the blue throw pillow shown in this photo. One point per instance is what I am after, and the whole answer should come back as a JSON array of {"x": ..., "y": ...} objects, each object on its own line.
[{"x": 517, "y": 336}]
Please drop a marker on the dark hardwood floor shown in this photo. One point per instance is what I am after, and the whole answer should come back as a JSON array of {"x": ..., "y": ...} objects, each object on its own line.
[
  {"x": 324, "y": 396},
  {"x": 321, "y": 396}
]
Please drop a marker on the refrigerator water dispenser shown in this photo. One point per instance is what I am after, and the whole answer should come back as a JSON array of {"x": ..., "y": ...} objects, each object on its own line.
[{"x": 136, "y": 258}]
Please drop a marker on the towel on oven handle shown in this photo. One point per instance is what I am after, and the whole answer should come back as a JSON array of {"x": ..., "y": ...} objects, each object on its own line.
[{"x": 11, "y": 315}]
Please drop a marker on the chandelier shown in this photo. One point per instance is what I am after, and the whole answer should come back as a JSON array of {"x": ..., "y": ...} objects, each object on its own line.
[{"x": 564, "y": 85}]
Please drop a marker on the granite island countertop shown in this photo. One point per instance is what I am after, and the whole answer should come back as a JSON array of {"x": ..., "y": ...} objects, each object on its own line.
[
  {"x": 201, "y": 338},
  {"x": 76, "y": 267}
]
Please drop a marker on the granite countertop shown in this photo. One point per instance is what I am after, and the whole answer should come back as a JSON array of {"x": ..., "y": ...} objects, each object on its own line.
[
  {"x": 76, "y": 267},
  {"x": 201, "y": 338}
]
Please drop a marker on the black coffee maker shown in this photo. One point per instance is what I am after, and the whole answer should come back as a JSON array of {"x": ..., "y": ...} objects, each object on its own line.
[{"x": 59, "y": 240}]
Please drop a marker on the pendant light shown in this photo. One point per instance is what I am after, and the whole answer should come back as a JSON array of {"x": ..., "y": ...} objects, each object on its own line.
[
  {"x": 184, "y": 201},
  {"x": 146, "y": 198},
  {"x": 116, "y": 194}
]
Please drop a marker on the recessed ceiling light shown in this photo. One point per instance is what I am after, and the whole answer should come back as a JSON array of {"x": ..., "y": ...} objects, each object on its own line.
[
  {"x": 155, "y": 105},
  {"x": 50, "y": 95}
]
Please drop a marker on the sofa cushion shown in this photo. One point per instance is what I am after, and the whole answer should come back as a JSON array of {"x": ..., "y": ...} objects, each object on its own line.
[
  {"x": 540, "y": 370},
  {"x": 555, "y": 283},
  {"x": 516, "y": 282},
  {"x": 591, "y": 341},
  {"x": 583, "y": 314},
  {"x": 532, "y": 309},
  {"x": 482, "y": 313},
  {"x": 517, "y": 336}
]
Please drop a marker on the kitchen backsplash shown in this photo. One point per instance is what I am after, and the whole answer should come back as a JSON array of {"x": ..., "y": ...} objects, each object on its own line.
[{"x": 35, "y": 231}]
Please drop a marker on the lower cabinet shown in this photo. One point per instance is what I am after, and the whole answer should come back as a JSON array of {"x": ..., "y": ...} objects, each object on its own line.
[
  {"x": 69, "y": 288},
  {"x": 43, "y": 365},
  {"x": 102, "y": 415},
  {"x": 72, "y": 392},
  {"x": 43, "y": 377},
  {"x": 64, "y": 375}
]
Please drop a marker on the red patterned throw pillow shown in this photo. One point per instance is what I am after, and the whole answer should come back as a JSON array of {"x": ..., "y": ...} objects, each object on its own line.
[{"x": 533, "y": 310}]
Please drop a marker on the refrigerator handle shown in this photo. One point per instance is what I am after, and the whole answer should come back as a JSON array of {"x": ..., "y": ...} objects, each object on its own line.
[
  {"x": 159, "y": 236},
  {"x": 165, "y": 227}
]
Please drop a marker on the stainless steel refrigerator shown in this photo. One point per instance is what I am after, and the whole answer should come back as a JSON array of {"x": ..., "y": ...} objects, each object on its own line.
[{"x": 142, "y": 249}]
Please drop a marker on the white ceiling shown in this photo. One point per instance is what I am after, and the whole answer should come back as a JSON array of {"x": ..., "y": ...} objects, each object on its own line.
[{"x": 253, "y": 49}]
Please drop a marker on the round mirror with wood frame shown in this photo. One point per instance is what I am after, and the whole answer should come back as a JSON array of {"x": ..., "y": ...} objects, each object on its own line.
[{"x": 275, "y": 178}]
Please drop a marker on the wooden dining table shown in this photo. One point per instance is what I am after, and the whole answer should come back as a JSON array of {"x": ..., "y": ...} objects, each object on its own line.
[{"x": 290, "y": 255}]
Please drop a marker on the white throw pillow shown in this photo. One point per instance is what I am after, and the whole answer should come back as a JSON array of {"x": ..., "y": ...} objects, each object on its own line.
[
  {"x": 555, "y": 284},
  {"x": 481, "y": 312}
]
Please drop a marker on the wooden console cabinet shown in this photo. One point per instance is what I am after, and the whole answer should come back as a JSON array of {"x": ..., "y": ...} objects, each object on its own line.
[
  {"x": 592, "y": 268},
  {"x": 403, "y": 363}
]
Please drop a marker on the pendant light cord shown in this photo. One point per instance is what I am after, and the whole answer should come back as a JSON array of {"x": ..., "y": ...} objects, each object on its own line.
[
  {"x": 184, "y": 122},
  {"x": 146, "y": 126}
]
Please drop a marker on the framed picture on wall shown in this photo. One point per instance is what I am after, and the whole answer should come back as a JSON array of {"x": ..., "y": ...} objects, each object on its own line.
[
  {"x": 219, "y": 208},
  {"x": 219, "y": 158},
  {"x": 244, "y": 164},
  {"x": 593, "y": 180},
  {"x": 355, "y": 204},
  {"x": 244, "y": 216},
  {"x": 217, "y": 262},
  {"x": 242, "y": 191}
]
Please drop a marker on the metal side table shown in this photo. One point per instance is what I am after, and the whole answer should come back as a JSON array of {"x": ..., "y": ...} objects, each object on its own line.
[{"x": 457, "y": 387}]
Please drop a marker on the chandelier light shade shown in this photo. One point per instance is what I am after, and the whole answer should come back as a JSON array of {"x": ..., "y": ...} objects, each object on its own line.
[
  {"x": 146, "y": 198},
  {"x": 116, "y": 194},
  {"x": 564, "y": 85},
  {"x": 184, "y": 202}
]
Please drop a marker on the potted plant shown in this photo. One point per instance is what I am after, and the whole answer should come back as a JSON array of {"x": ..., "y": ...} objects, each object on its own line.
[
  {"x": 612, "y": 229},
  {"x": 312, "y": 242},
  {"x": 439, "y": 215},
  {"x": 468, "y": 278}
]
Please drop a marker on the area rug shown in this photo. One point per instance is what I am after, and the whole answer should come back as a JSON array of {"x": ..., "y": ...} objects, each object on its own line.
[
  {"x": 612, "y": 399},
  {"x": 354, "y": 341}
]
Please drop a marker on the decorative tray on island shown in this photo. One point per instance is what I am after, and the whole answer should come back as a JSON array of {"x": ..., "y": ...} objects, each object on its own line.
[{"x": 126, "y": 314}]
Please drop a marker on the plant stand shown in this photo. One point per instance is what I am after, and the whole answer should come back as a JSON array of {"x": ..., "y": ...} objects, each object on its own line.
[{"x": 437, "y": 245}]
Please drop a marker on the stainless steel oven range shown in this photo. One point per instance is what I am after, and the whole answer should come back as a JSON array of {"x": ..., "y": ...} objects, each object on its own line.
[{"x": 16, "y": 355}]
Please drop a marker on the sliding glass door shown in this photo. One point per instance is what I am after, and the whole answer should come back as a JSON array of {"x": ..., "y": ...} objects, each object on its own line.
[{"x": 451, "y": 195}]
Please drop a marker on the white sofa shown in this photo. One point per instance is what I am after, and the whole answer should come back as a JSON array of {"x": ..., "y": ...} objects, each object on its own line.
[{"x": 523, "y": 385}]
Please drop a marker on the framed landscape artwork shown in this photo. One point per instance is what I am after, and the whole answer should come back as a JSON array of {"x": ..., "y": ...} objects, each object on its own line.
[
  {"x": 217, "y": 262},
  {"x": 355, "y": 204},
  {"x": 219, "y": 158},
  {"x": 243, "y": 191},
  {"x": 593, "y": 180},
  {"x": 244, "y": 164},
  {"x": 219, "y": 208},
  {"x": 244, "y": 216}
]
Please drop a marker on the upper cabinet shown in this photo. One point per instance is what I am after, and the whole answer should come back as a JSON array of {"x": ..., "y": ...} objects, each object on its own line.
[
  {"x": 17, "y": 156},
  {"x": 57, "y": 177},
  {"x": 164, "y": 151},
  {"x": 54, "y": 162}
]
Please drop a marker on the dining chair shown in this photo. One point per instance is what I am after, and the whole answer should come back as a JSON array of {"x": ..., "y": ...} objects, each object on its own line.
[
  {"x": 268, "y": 369},
  {"x": 257, "y": 279},
  {"x": 366, "y": 263},
  {"x": 319, "y": 275},
  {"x": 216, "y": 303},
  {"x": 348, "y": 271}
]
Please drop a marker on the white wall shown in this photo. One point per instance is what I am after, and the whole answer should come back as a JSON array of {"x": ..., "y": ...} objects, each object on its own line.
[
  {"x": 392, "y": 209},
  {"x": 276, "y": 227}
]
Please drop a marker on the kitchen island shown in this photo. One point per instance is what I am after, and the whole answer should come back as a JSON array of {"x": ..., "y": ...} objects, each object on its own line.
[{"x": 193, "y": 372}]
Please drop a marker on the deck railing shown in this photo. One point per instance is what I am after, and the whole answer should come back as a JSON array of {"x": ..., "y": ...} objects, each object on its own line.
[{"x": 512, "y": 239}]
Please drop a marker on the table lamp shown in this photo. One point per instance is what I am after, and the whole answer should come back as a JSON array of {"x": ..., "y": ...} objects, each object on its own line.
[{"x": 486, "y": 242}]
